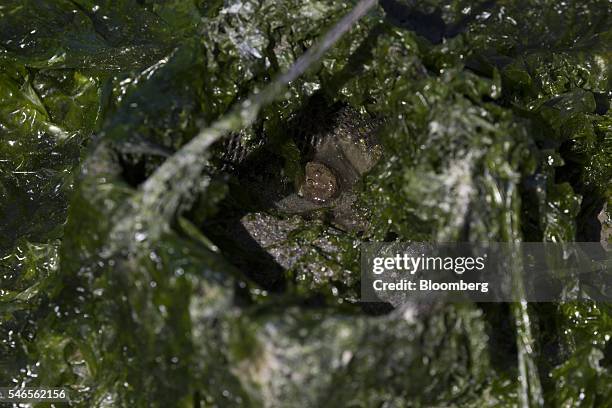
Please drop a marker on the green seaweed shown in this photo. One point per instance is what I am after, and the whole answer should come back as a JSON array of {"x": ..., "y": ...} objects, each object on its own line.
[{"x": 501, "y": 132}]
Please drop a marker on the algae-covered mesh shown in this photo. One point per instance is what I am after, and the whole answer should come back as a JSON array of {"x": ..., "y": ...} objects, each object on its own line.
[{"x": 186, "y": 185}]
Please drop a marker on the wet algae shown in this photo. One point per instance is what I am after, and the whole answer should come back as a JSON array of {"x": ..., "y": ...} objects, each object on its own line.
[{"x": 494, "y": 122}]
